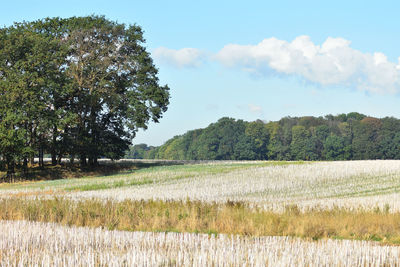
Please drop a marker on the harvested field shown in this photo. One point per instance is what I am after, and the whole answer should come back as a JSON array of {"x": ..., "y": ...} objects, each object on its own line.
[{"x": 38, "y": 244}]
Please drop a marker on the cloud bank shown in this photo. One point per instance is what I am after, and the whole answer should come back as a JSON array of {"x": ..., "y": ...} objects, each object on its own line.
[
  {"x": 333, "y": 62},
  {"x": 185, "y": 57}
]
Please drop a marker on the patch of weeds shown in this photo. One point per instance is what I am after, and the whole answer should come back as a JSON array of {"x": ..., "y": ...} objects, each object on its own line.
[
  {"x": 374, "y": 237},
  {"x": 102, "y": 186},
  {"x": 211, "y": 232},
  {"x": 88, "y": 187},
  {"x": 183, "y": 216},
  {"x": 142, "y": 182}
]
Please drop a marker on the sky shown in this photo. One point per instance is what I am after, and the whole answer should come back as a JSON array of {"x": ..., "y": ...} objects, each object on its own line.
[{"x": 255, "y": 59}]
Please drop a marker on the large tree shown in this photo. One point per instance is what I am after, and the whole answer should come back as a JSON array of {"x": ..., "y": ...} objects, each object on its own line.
[
  {"x": 115, "y": 84},
  {"x": 29, "y": 67},
  {"x": 78, "y": 86}
]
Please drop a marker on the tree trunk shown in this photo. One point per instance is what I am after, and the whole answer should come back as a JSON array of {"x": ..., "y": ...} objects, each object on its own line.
[
  {"x": 94, "y": 148},
  {"x": 83, "y": 160},
  {"x": 10, "y": 170},
  {"x": 32, "y": 160},
  {"x": 41, "y": 154},
  {"x": 53, "y": 159},
  {"x": 92, "y": 161},
  {"x": 32, "y": 141},
  {"x": 25, "y": 165},
  {"x": 53, "y": 147},
  {"x": 59, "y": 159}
]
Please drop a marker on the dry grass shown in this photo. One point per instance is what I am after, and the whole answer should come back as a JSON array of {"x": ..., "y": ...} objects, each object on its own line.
[{"x": 194, "y": 216}]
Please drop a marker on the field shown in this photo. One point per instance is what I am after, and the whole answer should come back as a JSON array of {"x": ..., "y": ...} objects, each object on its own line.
[
  {"x": 366, "y": 185},
  {"x": 50, "y": 245},
  {"x": 215, "y": 213}
]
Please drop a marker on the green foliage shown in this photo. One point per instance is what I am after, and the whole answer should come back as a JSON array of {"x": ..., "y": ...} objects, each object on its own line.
[
  {"x": 257, "y": 140},
  {"x": 80, "y": 86},
  {"x": 341, "y": 137},
  {"x": 366, "y": 137},
  {"x": 140, "y": 151},
  {"x": 334, "y": 148}
]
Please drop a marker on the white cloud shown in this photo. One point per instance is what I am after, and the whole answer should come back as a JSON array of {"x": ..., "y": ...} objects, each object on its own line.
[
  {"x": 255, "y": 109},
  {"x": 250, "y": 107},
  {"x": 185, "y": 57},
  {"x": 332, "y": 63}
]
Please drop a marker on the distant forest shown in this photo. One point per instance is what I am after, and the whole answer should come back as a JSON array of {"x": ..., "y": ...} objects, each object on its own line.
[{"x": 352, "y": 136}]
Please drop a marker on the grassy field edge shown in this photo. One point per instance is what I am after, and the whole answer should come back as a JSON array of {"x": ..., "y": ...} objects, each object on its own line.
[{"x": 198, "y": 217}]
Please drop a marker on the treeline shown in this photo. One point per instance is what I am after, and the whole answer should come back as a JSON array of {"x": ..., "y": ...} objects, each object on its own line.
[
  {"x": 78, "y": 87},
  {"x": 350, "y": 136}
]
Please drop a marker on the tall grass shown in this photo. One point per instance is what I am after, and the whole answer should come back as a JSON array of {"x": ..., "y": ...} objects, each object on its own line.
[{"x": 195, "y": 216}]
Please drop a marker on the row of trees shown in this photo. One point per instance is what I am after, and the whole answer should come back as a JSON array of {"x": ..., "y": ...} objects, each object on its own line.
[
  {"x": 77, "y": 87},
  {"x": 343, "y": 137}
]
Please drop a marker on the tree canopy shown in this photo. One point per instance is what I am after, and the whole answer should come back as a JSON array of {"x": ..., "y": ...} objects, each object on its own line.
[
  {"x": 350, "y": 136},
  {"x": 78, "y": 87}
]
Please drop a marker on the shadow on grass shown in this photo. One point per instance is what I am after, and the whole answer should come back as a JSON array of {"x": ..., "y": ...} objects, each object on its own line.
[{"x": 104, "y": 168}]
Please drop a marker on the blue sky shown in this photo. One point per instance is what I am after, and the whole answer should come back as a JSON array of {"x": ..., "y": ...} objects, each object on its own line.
[{"x": 255, "y": 59}]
